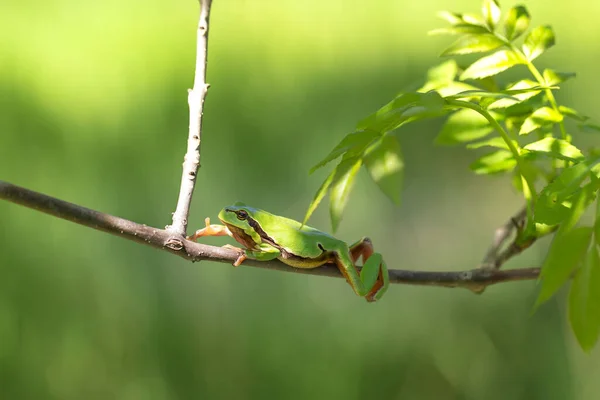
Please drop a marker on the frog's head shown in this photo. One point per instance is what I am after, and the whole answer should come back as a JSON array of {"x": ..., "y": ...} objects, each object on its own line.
[{"x": 242, "y": 222}]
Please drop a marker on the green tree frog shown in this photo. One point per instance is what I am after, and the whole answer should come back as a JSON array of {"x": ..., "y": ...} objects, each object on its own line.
[{"x": 266, "y": 236}]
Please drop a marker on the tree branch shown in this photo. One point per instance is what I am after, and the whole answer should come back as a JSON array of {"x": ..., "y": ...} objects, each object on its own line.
[
  {"x": 475, "y": 280},
  {"x": 196, "y": 97}
]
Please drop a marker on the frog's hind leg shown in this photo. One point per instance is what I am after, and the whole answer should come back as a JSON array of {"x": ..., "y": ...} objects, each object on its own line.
[{"x": 364, "y": 248}]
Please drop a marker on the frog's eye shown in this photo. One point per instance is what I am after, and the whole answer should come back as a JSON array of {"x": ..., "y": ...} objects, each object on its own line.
[{"x": 242, "y": 215}]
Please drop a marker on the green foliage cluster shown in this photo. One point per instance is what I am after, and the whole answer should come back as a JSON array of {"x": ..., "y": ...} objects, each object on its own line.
[{"x": 526, "y": 130}]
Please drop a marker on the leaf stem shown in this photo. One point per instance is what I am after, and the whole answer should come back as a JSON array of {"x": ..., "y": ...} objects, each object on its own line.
[
  {"x": 540, "y": 79},
  {"x": 528, "y": 187},
  {"x": 549, "y": 95}
]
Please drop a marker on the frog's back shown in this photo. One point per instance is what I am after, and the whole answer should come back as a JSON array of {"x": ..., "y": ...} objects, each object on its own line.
[{"x": 291, "y": 234}]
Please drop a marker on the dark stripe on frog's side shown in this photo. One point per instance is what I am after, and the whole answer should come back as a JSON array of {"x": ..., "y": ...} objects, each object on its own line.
[
  {"x": 242, "y": 237},
  {"x": 291, "y": 259}
]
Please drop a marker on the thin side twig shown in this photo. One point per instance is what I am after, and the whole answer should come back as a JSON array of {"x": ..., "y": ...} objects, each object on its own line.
[
  {"x": 501, "y": 236},
  {"x": 475, "y": 280},
  {"x": 196, "y": 97},
  {"x": 498, "y": 253}
]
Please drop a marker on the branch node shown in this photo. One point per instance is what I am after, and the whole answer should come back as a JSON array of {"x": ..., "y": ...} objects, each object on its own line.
[{"x": 174, "y": 243}]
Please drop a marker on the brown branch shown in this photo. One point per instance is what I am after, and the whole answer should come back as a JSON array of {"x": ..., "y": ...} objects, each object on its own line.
[
  {"x": 475, "y": 280},
  {"x": 196, "y": 97}
]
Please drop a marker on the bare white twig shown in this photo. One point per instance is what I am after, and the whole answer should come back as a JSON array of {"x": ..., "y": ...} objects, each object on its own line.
[{"x": 196, "y": 97}]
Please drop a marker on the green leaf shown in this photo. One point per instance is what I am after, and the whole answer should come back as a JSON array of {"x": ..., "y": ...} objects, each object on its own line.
[
  {"x": 569, "y": 180},
  {"x": 406, "y": 107},
  {"x": 556, "y": 148},
  {"x": 463, "y": 126},
  {"x": 458, "y": 29},
  {"x": 472, "y": 19},
  {"x": 529, "y": 125},
  {"x": 538, "y": 41},
  {"x": 497, "y": 142},
  {"x": 597, "y": 222},
  {"x": 385, "y": 165},
  {"x": 476, "y": 43},
  {"x": 441, "y": 77},
  {"x": 321, "y": 192},
  {"x": 517, "y": 178},
  {"x": 572, "y": 113},
  {"x": 491, "y": 13},
  {"x": 549, "y": 212},
  {"x": 552, "y": 77},
  {"x": 550, "y": 207},
  {"x": 492, "y": 64},
  {"x": 565, "y": 255},
  {"x": 513, "y": 124},
  {"x": 449, "y": 89},
  {"x": 431, "y": 106},
  {"x": 451, "y": 17},
  {"x": 519, "y": 92},
  {"x": 477, "y": 93},
  {"x": 355, "y": 143},
  {"x": 541, "y": 116},
  {"x": 390, "y": 113},
  {"x": 341, "y": 187},
  {"x": 594, "y": 177},
  {"x": 579, "y": 204},
  {"x": 526, "y": 107},
  {"x": 589, "y": 127},
  {"x": 488, "y": 84},
  {"x": 517, "y": 22},
  {"x": 547, "y": 114},
  {"x": 584, "y": 301},
  {"x": 535, "y": 90},
  {"x": 493, "y": 163},
  {"x": 458, "y": 19},
  {"x": 444, "y": 72}
]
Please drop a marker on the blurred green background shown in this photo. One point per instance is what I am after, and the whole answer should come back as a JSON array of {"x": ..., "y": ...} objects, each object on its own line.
[{"x": 94, "y": 111}]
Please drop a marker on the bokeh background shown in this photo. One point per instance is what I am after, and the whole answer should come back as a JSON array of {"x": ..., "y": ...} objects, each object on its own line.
[{"x": 93, "y": 110}]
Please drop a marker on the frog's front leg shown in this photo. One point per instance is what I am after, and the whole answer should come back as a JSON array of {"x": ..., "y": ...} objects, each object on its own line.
[
  {"x": 211, "y": 230},
  {"x": 219, "y": 230},
  {"x": 263, "y": 252},
  {"x": 373, "y": 280}
]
